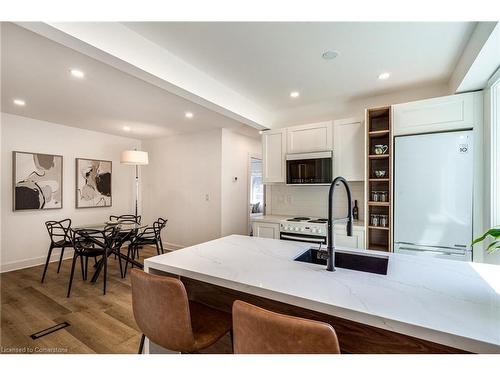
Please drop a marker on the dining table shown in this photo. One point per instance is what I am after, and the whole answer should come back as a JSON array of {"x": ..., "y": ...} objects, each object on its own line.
[{"x": 125, "y": 231}]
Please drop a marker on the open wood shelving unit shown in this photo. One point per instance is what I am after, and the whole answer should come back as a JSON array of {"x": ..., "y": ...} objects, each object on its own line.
[{"x": 378, "y": 132}]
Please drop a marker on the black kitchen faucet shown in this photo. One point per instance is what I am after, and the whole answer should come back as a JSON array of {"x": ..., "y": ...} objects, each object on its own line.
[{"x": 331, "y": 237}]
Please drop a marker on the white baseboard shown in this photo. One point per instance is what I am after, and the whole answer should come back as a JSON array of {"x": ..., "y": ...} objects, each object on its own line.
[
  {"x": 32, "y": 262},
  {"x": 68, "y": 254}
]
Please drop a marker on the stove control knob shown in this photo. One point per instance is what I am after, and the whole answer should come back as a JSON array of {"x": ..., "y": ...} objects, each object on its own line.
[
  {"x": 314, "y": 230},
  {"x": 301, "y": 229},
  {"x": 296, "y": 229}
]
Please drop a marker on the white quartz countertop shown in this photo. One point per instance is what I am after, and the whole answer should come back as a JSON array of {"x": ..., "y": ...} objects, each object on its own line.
[
  {"x": 448, "y": 302},
  {"x": 277, "y": 218}
]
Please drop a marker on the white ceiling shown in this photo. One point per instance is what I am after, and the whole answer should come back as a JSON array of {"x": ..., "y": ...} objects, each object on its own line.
[
  {"x": 36, "y": 69},
  {"x": 266, "y": 61}
]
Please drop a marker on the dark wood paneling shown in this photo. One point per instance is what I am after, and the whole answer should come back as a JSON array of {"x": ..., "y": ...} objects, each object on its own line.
[{"x": 353, "y": 337}]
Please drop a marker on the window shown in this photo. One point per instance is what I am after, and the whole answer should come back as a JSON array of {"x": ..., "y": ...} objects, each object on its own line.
[{"x": 495, "y": 148}]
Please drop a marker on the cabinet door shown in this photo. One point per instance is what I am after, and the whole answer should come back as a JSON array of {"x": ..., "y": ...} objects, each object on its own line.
[
  {"x": 309, "y": 138},
  {"x": 349, "y": 149},
  {"x": 357, "y": 241},
  {"x": 452, "y": 112},
  {"x": 266, "y": 230},
  {"x": 273, "y": 155}
]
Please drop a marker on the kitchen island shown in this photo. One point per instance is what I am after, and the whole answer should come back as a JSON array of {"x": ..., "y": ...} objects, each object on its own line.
[{"x": 422, "y": 305}]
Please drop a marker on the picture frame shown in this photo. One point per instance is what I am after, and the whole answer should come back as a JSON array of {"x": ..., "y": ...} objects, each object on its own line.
[
  {"x": 37, "y": 181},
  {"x": 93, "y": 183}
]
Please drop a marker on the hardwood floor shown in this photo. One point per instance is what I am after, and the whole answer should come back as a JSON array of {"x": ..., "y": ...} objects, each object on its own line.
[{"x": 98, "y": 323}]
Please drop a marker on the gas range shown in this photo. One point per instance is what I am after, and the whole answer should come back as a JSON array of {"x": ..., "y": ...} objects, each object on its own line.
[{"x": 304, "y": 229}]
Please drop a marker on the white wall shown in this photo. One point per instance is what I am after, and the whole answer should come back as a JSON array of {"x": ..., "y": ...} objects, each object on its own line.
[
  {"x": 236, "y": 151},
  {"x": 182, "y": 171},
  {"x": 311, "y": 200},
  {"x": 24, "y": 239}
]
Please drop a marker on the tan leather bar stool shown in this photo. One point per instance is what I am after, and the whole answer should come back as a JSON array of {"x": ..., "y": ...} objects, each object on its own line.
[
  {"x": 166, "y": 316},
  {"x": 259, "y": 331}
]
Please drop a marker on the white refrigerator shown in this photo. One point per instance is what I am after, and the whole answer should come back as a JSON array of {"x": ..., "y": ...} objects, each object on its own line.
[{"x": 433, "y": 193}]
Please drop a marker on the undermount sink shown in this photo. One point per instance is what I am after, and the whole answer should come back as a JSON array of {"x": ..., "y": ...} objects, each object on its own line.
[{"x": 349, "y": 260}]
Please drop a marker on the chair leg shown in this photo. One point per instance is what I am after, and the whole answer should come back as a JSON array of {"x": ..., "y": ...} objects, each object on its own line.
[
  {"x": 141, "y": 345},
  {"x": 157, "y": 248},
  {"x": 129, "y": 254},
  {"x": 47, "y": 262},
  {"x": 82, "y": 267},
  {"x": 72, "y": 273},
  {"x": 105, "y": 260},
  {"x": 86, "y": 268},
  {"x": 120, "y": 262},
  {"x": 161, "y": 245},
  {"x": 60, "y": 259}
]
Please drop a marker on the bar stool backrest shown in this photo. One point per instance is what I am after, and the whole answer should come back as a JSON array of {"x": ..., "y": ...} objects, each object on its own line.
[
  {"x": 259, "y": 331},
  {"x": 161, "y": 310}
]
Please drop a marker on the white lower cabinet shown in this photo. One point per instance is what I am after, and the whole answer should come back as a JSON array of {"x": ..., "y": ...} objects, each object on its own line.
[
  {"x": 357, "y": 241},
  {"x": 266, "y": 230}
]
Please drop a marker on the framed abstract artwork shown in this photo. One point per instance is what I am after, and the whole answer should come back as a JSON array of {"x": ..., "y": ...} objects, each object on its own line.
[
  {"x": 93, "y": 183},
  {"x": 37, "y": 181}
]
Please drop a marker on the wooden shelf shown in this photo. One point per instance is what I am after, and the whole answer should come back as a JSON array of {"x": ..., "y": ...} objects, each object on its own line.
[
  {"x": 378, "y": 133},
  {"x": 379, "y": 180},
  {"x": 386, "y": 204},
  {"x": 378, "y": 247}
]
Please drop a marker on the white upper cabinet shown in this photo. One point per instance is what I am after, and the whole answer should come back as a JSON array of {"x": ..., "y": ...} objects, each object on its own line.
[
  {"x": 452, "y": 112},
  {"x": 273, "y": 155},
  {"x": 310, "y": 137},
  {"x": 349, "y": 149}
]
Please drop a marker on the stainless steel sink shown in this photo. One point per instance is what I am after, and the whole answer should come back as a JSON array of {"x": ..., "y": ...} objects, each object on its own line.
[{"x": 349, "y": 260}]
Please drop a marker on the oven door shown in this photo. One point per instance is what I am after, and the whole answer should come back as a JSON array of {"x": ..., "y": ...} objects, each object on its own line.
[{"x": 309, "y": 169}]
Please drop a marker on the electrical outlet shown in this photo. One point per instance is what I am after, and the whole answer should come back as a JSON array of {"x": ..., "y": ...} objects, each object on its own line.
[
  {"x": 289, "y": 199},
  {"x": 207, "y": 197}
]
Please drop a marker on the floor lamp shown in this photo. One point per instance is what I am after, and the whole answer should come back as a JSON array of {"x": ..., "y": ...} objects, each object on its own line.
[{"x": 136, "y": 158}]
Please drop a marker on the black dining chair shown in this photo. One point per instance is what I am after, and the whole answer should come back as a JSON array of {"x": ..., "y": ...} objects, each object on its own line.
[
  {"x": 137, "y": 218},
  {"x": 92, "y": 243},
  {"x": 151, "y": 235},
  {"x": 161, "y": 223},
  {"x": 60, "y": 238}
]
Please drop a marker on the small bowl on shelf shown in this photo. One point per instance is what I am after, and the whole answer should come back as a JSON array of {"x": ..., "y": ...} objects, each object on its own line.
[{"x": 380, "y": 173}]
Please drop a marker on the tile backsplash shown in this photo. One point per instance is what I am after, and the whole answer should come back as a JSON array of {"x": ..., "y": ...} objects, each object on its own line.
[{"x": 311, "y": 200}]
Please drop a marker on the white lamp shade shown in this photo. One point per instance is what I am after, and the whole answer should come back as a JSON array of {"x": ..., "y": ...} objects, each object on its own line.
[{"x": 134, "y": 157}]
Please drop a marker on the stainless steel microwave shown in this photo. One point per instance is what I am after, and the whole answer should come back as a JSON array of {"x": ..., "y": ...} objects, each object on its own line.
[{"x": 312, "y": 168}]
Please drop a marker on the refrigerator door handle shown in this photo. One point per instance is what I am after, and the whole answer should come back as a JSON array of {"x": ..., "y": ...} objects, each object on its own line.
[{"x": 441, "y": 250}]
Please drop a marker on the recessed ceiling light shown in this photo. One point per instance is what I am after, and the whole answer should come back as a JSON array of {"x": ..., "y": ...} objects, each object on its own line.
[
  {"x": 126, "y": 128},
  {"x": 19, "y": 102},
  {"x": 384, "y": 75},
  {"x": 188, "y": 115},
  {"x": 77, "y": 73},
  {"x": 329, "y": 55},
  {"x": 294, "y": 94}
]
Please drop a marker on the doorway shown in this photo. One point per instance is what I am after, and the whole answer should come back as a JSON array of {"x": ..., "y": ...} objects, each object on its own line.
[{"x": 256, "y": 196}]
